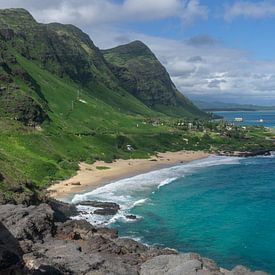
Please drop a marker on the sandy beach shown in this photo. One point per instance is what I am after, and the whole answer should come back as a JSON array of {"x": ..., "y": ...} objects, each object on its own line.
[{"x": 91, "y": 176}]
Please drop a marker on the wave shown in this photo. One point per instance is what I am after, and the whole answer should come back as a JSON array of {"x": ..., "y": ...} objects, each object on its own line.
[
  {"x": 165, "y": 182},
  {"x": 135, "y": 191}
]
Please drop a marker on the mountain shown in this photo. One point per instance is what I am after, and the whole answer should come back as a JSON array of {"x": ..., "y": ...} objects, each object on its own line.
[
  {"x": 141, "y": 74},
  {"x": 223, "y": 106},
  {"x": 62, "y": 101}
]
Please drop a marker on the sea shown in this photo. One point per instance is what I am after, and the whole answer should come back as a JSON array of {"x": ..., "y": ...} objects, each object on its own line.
[{"x": 220, "y": 207}]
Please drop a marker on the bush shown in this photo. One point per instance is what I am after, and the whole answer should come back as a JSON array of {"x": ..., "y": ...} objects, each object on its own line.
[{"x": 69, "y": 165}]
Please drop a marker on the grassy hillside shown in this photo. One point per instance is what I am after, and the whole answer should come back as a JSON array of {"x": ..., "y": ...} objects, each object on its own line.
[{"x": 61, "y": 102}]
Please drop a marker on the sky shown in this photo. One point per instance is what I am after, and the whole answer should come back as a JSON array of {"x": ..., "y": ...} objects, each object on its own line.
[{"x": 214, "y": 50}]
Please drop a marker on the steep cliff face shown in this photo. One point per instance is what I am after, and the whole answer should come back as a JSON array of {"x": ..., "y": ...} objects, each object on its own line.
[
  {"x": 67, "y": 52},
  {"x": 140, "y": 73}
]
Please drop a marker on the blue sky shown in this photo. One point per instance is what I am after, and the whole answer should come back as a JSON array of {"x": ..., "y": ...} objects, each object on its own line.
[{"x": 213, "y": 49}]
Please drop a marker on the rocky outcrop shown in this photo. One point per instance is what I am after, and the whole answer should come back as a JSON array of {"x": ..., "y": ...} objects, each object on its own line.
[
  {"x": 25, "y": 193},
  {"x": 37, "y": 240},
  {"x": 62, "y": 211},
  {"x": 245, "y": 154},
  {"x": 104, "y": 208},
  {"x": 31, "y": 223}
]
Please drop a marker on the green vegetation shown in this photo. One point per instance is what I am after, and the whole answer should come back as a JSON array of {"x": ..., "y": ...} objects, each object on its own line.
[
  {"x": 102, "y": 168},
  {"x": 141, "y": 74},
  {"x": 61, "y": 102}
]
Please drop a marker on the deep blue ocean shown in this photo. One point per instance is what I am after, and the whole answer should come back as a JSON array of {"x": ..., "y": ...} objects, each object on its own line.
[
  {"x": 220, "y": 207},
  {"x": 250, "y": 118}
]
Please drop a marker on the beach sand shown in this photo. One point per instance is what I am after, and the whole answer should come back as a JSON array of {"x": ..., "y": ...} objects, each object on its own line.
[{"x": 91, "y": 176}]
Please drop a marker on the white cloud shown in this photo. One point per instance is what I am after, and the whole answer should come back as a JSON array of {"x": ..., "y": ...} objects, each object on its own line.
[
  {"x": 211, "y": 71},
  {"x": 194, "y": 10},
  {"x": 199, "y": 66},
  {"x": 91, "y": 12},
  {"x": 260, "y": 9}
]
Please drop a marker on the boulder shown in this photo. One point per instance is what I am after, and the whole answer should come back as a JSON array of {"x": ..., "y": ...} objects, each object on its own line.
[
  {"x": 10, "y": 253},
  {"x": 242, "y": 270},
  {"x": 28, "y": 223},
  {"x": 188, "y": 263},
  {"x": 105, "y": 211},
  {"x": 131, "y": 217},
  {"x": 75, "y": 230},
  {"x": 62, "y": 211},
  {"x": 99, "y": 204},
  {"x": 104, "y": 208},
  {"x": 65, "y": 257}
]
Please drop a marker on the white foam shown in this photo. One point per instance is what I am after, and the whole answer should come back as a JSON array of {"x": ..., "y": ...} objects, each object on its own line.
[
  {"x": 139, "y": 202},
  {"x": 134, "y": 191},
  {"x": 165, "y": 182}
]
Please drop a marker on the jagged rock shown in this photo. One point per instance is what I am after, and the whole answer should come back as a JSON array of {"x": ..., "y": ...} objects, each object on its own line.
[
  {"x": 64, "y": 256},
  {"x": 188, "y": 263},
  {"x": 31, "y": 243},
  {"x": 75, "y": 230},
  {"x": 210, "y": 265},
  {"x": 105, "y": 211},
  {"x": 104, "y": 208},
  {"x": 131, "y": 217},
  {"x": 107, "y": 232},
  {"x": 62, "y": 211},
  {"x": 28, "y": 223},
  {"x": 242, "y": 270},
  {"x": 10, "y": 253},
  {"x": 100, "y": 204}
]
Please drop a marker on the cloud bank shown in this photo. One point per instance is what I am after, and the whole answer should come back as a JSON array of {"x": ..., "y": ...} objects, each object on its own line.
[
  {"x": 249, "y": 9},
  {"x": 200, "y": 66},
  {"x": 85, "y": 12}
]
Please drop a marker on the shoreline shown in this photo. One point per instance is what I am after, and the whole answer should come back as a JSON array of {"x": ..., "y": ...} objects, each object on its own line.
[{"x": 92, "y": 176}]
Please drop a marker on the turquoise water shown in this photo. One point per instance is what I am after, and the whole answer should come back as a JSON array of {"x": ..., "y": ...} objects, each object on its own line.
[
  {"x": 220, "y": 207},
  {"x": 250, "y": 118}
]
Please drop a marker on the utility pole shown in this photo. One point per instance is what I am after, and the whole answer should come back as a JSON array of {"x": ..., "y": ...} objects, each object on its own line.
[{"x": 72, "y": 105}]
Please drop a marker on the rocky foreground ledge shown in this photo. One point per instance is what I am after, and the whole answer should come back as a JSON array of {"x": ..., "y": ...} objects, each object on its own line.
[{"x": 43, "y": 240}]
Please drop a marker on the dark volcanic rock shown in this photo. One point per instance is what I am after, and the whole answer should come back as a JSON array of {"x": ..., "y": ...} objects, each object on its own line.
[
  {"x": 28, "y": 223},
  {"x": 31, "y": 243},
  {"x": 106, "y": 211},
  {"x": 62, "y": 211},
  {"x": 100, "y": 204},
  {"x": 75, "y": 230},
  {"x": 246, "y": 154},
  {"x": 242, "y": 270},
  {"x": 104, "y": 208},
  {"x": 10, "y": 253},
  {"x": 131, "y": 217}
]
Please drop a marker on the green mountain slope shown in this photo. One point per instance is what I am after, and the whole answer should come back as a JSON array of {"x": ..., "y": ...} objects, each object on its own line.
[
  {"x": 67, "y": 52},
  {"x": 60, "y": 103},
  {"x": 140, "y": 73}
]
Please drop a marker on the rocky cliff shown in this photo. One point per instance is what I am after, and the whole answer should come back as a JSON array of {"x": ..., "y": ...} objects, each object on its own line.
[{"x": 43, "y": 240}]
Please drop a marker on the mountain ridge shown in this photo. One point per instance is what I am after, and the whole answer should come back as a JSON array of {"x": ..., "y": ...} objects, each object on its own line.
[
  {"x": 62, "y": 102},
  {"x": 142, "y": 74}
]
